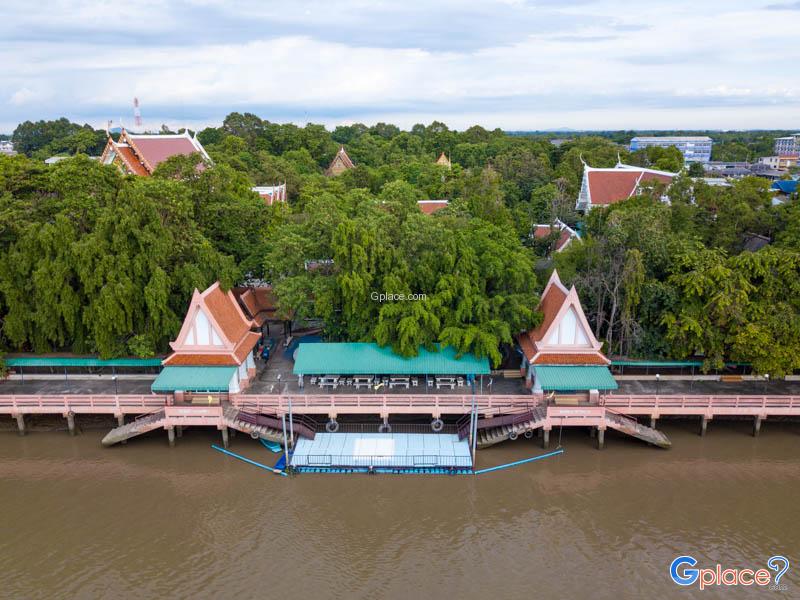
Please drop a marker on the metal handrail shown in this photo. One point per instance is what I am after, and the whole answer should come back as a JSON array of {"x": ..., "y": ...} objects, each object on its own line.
[{"x": 379, "y": 460}]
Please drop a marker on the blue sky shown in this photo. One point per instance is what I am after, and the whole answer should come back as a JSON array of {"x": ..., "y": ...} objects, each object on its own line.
[{"x": 515, "y": 64}]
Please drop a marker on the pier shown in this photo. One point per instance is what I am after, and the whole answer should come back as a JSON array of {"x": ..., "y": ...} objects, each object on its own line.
[{"x": 500, "y": 417}]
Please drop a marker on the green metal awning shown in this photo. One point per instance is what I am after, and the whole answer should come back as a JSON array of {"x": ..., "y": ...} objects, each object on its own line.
[
  {"x": 193, "y": 379},
  {"x": 567, "y": 378},
  {"x": 371, "y": 359},
  {"x": 62, "y": 361}
]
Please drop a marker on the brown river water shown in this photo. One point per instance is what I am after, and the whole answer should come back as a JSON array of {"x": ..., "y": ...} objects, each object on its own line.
[{"x": 148, "y": 521}]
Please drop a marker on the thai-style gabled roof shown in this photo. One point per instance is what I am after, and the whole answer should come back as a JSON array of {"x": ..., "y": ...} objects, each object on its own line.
[
  {"x": 140, "y": 154},
  {"x": 443, "y": 160},
  {"x": 341, "y": 162},
  {"x": 567, "y": 234},
  {"x": 604, "y": 186},
  {"x": 564, "y": 336},
  {"x": 431, "y": 206},
  {"x": 271, "y": 193},
  {"x": 259, "y": 303},
  {"x": 215, "y": 331}
]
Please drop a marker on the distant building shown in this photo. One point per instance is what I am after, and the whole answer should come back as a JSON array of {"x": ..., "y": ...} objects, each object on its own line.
[
  {"x": 566, "y": 235},
  {"x": 781, "y": 162},
  {"x": 733, "y": 169},
  {"x": 431, "y": 206},
  {"x": 444, "y": 161},
  {"x": 693, "y": 148},
  {"x": 340, "y": 163},
  {"x": 140, "y": 154},
  {"x": 762, "y": 170},
  {"x": 7, "y": 147},
  {"x": 271, "y": 193},
  {"x": 788, "y": 145},
  {"x": 605, "y": 186},
  {"x": 784, "y": 187}
]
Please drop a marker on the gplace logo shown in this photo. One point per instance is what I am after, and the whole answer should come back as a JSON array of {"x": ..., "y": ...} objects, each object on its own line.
[{"x": 683, "y": 572}]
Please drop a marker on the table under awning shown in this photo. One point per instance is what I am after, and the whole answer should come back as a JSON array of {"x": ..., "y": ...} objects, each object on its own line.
[
  {"x": 194, "y": 379},
  {"x": 574, "y": 377}
]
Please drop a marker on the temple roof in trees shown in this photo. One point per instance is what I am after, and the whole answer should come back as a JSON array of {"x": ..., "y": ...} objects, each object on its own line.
[
  {"x": 566, "y": 233},
  {"x": 340, "y": 163},
  {"x": 443, "y": 160},
  {"x": 140, "y": 154},
  {"x": 215, "y": 331},
  {"x": 564, "y": 336},
  {"x": 604, "y": 186}
]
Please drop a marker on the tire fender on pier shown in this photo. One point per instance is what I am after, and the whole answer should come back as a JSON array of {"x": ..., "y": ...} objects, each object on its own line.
[
  {"x": 332, "y": 426},
  {"x": 437, "y": 425}
]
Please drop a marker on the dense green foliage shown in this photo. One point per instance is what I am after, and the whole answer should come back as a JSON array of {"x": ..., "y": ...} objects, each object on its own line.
[{"x": 91, "y": 260}]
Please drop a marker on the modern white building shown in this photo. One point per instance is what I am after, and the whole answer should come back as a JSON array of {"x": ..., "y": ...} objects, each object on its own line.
[
  {"x": 693, "y": 148},
  {"x": 7, "y": 147},
  {"x": 789, "y": 145}
]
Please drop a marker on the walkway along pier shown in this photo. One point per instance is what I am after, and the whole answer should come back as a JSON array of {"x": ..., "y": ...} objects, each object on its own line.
[{"x": 500, "y": 417}]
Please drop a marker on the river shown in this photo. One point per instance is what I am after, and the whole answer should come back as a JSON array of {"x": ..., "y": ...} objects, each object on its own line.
[{"x": 148, "y": 521}]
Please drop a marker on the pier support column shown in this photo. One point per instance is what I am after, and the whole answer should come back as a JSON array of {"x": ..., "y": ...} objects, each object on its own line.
[
  {"x": 20, "y": 424},
  {"x": 703, "y": 425},
  {"x": 71, "y": 423},
  {"x": 233, "y": 433},
  {"x": 171, "y": 436},
  {"x": 757, "y": 426},
  {"x": 653, "y": 422},
  {"x": 120, "y": 423},
  {"x": 179, "y": 431},
  {"x": 592, "y": 432},
  {"x": 545, "y": 438},
  {"x": 224, "y": 437},
  {"x": 601, "y": 438}
]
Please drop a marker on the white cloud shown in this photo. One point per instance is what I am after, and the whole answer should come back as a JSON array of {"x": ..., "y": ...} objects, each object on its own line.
[{"x": 604, "y": 64}]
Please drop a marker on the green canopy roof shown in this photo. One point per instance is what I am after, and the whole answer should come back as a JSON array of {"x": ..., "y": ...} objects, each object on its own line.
[
  {"x": 193, "y": 379},
  {"x": 566, "y": 378},
  {"x": 64, "y": 361},
  {"x": 371, "y": 359}
]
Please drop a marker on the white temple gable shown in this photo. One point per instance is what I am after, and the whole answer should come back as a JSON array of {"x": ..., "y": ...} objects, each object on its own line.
[{"x": 569, "y": 331}]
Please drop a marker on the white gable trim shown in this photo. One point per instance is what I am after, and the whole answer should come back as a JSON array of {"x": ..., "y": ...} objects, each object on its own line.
[{"x": 571, "y": 306}]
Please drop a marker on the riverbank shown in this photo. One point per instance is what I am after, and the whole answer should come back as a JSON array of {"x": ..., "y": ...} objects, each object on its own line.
[{"x": 137, "y": 520}]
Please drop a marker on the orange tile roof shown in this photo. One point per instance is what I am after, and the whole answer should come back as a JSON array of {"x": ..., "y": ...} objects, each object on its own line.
[
  {"x": 527, "y": 346},
  {"x": 128, "y": 156},
  {"x": 227, "y": 314},
  {"x": 245, "y": 346},
  {"x": 205, "y": 360},
  {"x": 550, "y": 304},
  {"x": 570, "y": 359},
  {"x": 156, "y": 149},
  {"x": 608, "y": 187},
  {"x": 431, "y": 206}
]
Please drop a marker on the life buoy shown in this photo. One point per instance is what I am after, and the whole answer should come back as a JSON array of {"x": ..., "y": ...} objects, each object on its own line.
[
  {"x": 528, "y": 434},
  {"x": 254, "y": 435},
  {"x": 385, "y": 428},
  {"x": 332, "y": 426},
  {"x": 437, "y": 425},
  {"x": 512, "y": 435}
]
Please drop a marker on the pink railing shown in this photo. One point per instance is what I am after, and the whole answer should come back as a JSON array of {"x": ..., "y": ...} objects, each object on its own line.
[
  {"x": 379, "y": 403},
  {"x": 691, "y": 403},
  {"x": 109, "y": 404}
]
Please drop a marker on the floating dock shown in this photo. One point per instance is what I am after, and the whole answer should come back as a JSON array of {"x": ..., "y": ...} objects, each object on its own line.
[{"x": 382, "y": 452}]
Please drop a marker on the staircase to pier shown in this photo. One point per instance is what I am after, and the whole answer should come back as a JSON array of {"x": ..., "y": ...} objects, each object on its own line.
[
  {"x": 498, "y": 429},
  {"x": 263, "y": 426},
  {"x": 143, "y": 424},
  {"x": 629, "y": 426}
]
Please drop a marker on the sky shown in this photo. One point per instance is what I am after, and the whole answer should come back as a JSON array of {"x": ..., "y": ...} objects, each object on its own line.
[{"x": 513, "y": 64}]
